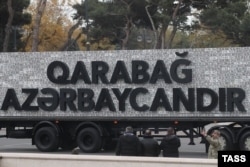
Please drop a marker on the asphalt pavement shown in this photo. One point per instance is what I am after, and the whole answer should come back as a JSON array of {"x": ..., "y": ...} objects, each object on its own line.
[{"x": 24, "y": 146}]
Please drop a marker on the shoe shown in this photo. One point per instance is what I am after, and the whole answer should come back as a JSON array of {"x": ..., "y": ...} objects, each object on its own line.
[{"x": 75, "y": 151}]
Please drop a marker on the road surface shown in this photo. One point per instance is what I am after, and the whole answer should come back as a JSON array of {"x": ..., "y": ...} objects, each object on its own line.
[{"x": 24, "y": 146}]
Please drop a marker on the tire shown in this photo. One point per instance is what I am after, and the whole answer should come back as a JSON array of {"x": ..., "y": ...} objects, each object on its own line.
[
  {"x": 244, "y": 141},
  {"x": 46, "y": 139},
  {"x": 89, "y": 140},
  {"x": 225, "y": 140}
]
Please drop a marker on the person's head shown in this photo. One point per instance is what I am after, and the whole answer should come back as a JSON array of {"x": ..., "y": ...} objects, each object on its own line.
[
  {"x": 129, "y": 129},
  {"x": 148, "y": 132},
  {"x": 215, "y": 134},
  {"x": 170, "y": 131}
]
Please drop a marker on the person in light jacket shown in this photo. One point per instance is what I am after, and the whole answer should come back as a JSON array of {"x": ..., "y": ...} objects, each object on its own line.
[{"x": 214, "y": 141}]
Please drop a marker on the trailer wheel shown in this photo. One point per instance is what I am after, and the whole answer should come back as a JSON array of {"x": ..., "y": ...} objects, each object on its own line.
[
  {"x": 225, "y": 140},
  {"x": 89, "y": 140},
  {"x": 46, "y": 139},
  {"x": 245, "y": 141}
]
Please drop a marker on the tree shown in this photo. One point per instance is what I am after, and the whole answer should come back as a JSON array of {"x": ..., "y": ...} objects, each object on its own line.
[
  {"x": 40, "y": 10},
  {"x": 201, "y": 39},
  {"x": 8, "y": 25},
  {"x": 69, "y": 40},
  {"x": 118, "y": 18},
  {"x": 96, "y": 12},
  {"x": 53, "y": 29},
  {"x": 113, "y": 20},
  {"x": 170, "y": 15},
  {"x": 229, "y": 16},
  {"x": 12, "y": 17}
]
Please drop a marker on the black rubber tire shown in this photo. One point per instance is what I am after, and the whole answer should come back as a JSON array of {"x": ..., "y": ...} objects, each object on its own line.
[
  {"x": 226, "y": 140},
  {"x": 89, "y": 140},
  {"x": 46, "y": 139},
  {"x": 244, "y": 141}
]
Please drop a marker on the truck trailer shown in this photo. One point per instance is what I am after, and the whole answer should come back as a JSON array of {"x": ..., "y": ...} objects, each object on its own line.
[{"x": 86, "y": 99}]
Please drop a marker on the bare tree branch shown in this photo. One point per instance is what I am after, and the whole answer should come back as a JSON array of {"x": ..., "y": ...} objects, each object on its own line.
[
  {"x": 40, "y": 10},
  {"x": 174, "y": 19},
  {"x": 70, "y": 33},
  {"x": 153, "y": 26}
]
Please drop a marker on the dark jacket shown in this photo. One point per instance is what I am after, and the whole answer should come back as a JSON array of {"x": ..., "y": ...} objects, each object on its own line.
[
  {"x": 170, "y": 145},
  {"x": 150, "y": 147},
  {"x": 128, "y": 145}
]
